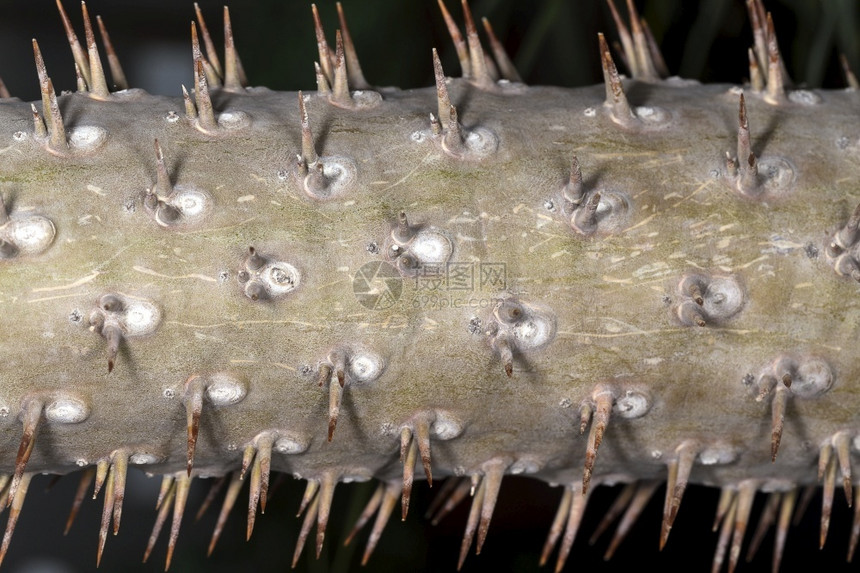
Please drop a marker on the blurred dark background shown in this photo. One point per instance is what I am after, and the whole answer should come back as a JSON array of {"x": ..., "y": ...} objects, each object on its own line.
[{"x": 552, "y": 42}]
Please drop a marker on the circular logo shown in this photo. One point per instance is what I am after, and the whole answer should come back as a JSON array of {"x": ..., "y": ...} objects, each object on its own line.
[{"x": 377, "y": 285}]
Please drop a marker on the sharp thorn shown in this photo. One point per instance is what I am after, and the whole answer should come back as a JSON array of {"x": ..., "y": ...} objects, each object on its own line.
[
  {"x": 31, "y": 417},
  {"x": 326, "y": 60},
  {"x": 746, "y": 494},
  {"x": 557, "y": 525},
  {"x": 827, "y": 497},
  {"x": 842, "y": 445},
  {"x": 780, "y": 398},
  {"x": 183, "y": 484},
  {"x": 353, "y": 68},
  {"x": 87, "y": 477},
  {"x": 194, "y": 388},
  {"x": 408, "y": 469},
  {"x": 574, "y": 518},
  {"x": 785, "y": 509},
  {"x": 471, "y": 523},
  {"x": 765, "y": 521},
  {"x": 442, "y": 99},
  {"x": 366, "y": 513},
  {"x": 626, "y": 40},
  {"x": 308, "y": 522},
  {"x": 616, "y": 101},
  {"x": 422, "y": 436},
  {"x": 229, "y": 502},
  {"x": 310, "y": 492},
  {"x": 78, "y": 53},
  {"x": 211, "y": 52},
  {"x": 213, "y": 492},
  {"x": 507, "y": 70},
  {"x": 166, "y": 484},
  {"x": 725, "y": 534},
  {"x": 119, "y": 472},
  {"x": 327, "y": 485},
  {"x": 458, "y": 494},
  {"x": 98, "y": 84},
  {"x": 16, "y": 503},
  {"x": 107, "y": 511},
  {"x": 494, "y": 472},
  {"x": 603, "y": 407},
  {"x": 480, "y": 74},
  {"x": 459, "y": 43},
  {"x": 116, "y": 72},
  {"x": 622, "y": 500},
  {"x": 389, "y": 500},
  {"x": 232, "y": 79},
  {"x": 644, "y": 493},
  {"x": 165, "y": 504}
]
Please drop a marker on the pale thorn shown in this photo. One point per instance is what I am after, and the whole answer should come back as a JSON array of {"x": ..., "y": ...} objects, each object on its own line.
[
  {"x": 494, "y": 472},
  {"x": 746, "y": 494},
  {"x": 190, "y": 108},
  {"x": 603, "y": 407},
  {"x": 87, "y": 477},
  {"x": 574, "y": 519},
  {"x": 183, "y": 484},
  {"x": 31, "y": 418},
  {"x": 15, "y": 504},
  {"x": 647, "y": 70},
  {"x": 307, "y": 523},
  {"x": 727, "y": 495},
  {"x": 194, "y": 387},
  {"x": 448, "y": 486},
  {"x": 80, "y": 82},
  {"x": 107, "y": 511},
  {"x": 616, "y": 101},
  {"x": 116, "y": 73},
  {"x": 775, "y": 90},
  {"x": 42, "y": 73},
  {"x": 340, "y": 84},
  {"x": 460, "y": 493},
  {"x": 205, "y": 112},
  {"x": 327, "y": 485},
  {"x": 98, "y": 84},
  {"x": 842, "y": 445},
  {"x": 626, "y": 40},
  {"x": 120, "y": 472},
  {"x": 310, "y": 492},
  {"x": 213, "y": 492},
  {"x": 621, "y": 502},
  {"x": 850, "y": 77},
  {"x": 408, "y": 469},
  {"x": 389, "y": 500},
  {"x": 443, "y": 102},
  {"x": 756, "y": 78},
  {"x": 557, "y": 525},
  {"x": 326, "y": 60},
  {"x": 38, "y": 124},
  {"x": 480, "y": 73},
  {"x": 422, "y": 436},
  {"x": 232, "y": 79},
  {"x": 229, "y": 502},
  {"x": 765, "y": 521},
  {"x": 211, "y": 52},
  {"x": 507, "y": 70},
  {"x": 323, "y": 87},
  {"x": 471, "y": 523},
  {"x": 163, "y": 510},
  {"x": 166, "y": 484},
  {"x": 58, "y": 131},
  {"x": 827, "y": 496},
  {"x": 368, "y": 512},
  {"x": 78, "y": 53},
  {"x": 353, "y": 68},
  {"x": 644, "y": 493},
  {"x": 785, "y": 510},
  {"x": 725, "y": 534},
  {"x": 459, "y": 42}
]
